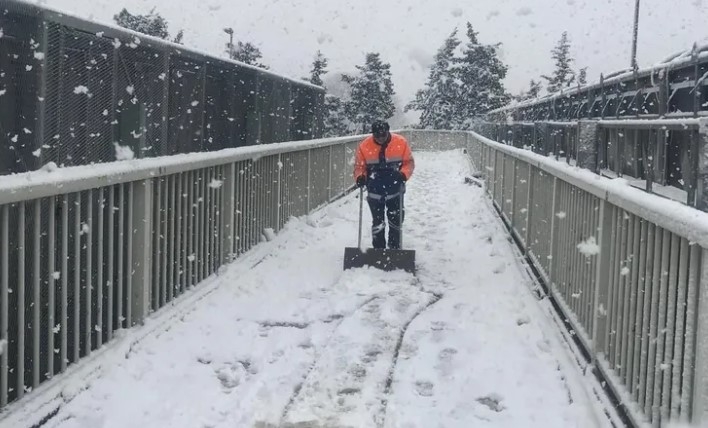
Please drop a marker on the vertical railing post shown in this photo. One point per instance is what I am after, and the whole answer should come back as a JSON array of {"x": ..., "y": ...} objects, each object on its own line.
[
  {"x": 309, "y": 180},
  {"x": 141, "y": 251},
  {"x": 554, "y": 235},
  {"x": 227, "y": 211},
  {"x": 512, "y": 204},
  {"x": 702, "y": 159},
  {"x": 700, "y": 376},
  {"x": 529, "y": 209},
  {"x": 587, "y": 144},
  {"x": 329, "y": 170},
  {"x": 602, "y": 278},
  {"x": 279, "y": 193}
]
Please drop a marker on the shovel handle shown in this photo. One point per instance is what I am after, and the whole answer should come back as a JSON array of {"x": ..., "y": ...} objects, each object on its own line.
[{"x": 361, "y": 212}]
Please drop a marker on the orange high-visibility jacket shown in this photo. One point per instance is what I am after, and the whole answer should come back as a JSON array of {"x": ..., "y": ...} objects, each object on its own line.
[{"x": 397, "y": 157}]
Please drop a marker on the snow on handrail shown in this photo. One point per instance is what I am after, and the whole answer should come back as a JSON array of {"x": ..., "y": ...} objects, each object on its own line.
[
  {"x": 678, "y": 61},
  {"x": 671, "y": 215},
  {"x": 651, "y": 123},
  {"x": 42, "y": 183}
]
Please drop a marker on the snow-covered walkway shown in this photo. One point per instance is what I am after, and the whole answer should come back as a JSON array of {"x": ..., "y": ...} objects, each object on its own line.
[{"x": 288, "y": 339}]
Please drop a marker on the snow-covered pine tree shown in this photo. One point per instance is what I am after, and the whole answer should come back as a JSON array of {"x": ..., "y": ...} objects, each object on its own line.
[
  {"x": 481, "y": 74},
  {"x": 336, "y": 124},
  {"x": 247, "y": 53},
  {"x": 371, "y": 93},
  {"x": 563, "y": 75},
  {"x": 583, "y": 76},
  {"x": 534, "y": 90},
  {"x": 438, "y": 99},
  {"x": 152, "y": 24},
  {"x": 319, "y": 69}
]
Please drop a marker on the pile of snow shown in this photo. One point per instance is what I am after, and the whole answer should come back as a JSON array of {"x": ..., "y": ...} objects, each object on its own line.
[
  {"x": 81, "y": 89},
  {"x": 269, "y": 234},
  {"x": 123, "y": 152},
  {"x": 589, "y": 247},
  {"x": 49, "y": 167},
  {"x": 216, "y": 184}
]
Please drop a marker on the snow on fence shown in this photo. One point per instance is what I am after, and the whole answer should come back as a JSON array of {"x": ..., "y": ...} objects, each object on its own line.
[
  {"x": 627, "y": 268},
  {"x": 89, "y": 250},
  {"x": 661, "y": 156}
]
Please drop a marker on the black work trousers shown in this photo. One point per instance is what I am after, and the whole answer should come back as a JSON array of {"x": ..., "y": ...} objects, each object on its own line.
[{"x": 393, "y": 209}]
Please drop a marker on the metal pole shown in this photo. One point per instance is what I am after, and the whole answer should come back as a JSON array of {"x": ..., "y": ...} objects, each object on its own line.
[{"x": 634, "y": 38}]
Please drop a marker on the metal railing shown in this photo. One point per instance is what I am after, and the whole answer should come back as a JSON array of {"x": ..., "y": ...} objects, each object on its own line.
[
  {"x": 660, "y": 156},
  {"x": 72, "y": 88},
  {"x": 95, "y": 250},
  {"x": 673, "y": 88},
  {"x": 89, "y": 250},
  {"x": 627, "y": 269}
]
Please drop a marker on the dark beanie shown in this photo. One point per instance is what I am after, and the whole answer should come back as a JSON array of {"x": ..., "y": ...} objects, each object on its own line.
[{"x": 379, "y": 128}]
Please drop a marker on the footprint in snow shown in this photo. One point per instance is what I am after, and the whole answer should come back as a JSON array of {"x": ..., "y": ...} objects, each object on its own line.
[
  {"x": 408, "y": 350},
  {"x": 492, "y": 401},
  {"x": 523, "y": 320},
  {"x": 438, "y": 325},
  {"x": 371, "y": 353},
  {"x": 447, "y": 354},
  {"x": 424, "y": 388},
  {"x": 230, "y": 376}
]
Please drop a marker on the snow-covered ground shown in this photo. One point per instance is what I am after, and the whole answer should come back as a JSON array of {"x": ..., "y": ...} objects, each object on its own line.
[{"x": 289, "y": 339}]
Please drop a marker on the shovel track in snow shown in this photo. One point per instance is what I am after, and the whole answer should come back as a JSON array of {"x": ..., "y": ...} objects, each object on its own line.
[
  {"x": 435, "y": 297},
  {"x": 338, "y": 318}
]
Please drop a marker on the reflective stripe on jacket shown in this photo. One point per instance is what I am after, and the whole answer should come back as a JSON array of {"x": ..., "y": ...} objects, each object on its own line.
[{"x": 373, "y": 158}]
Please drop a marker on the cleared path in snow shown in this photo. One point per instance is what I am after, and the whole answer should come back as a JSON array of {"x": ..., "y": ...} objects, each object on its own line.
[{"x": 288, "y": 339}]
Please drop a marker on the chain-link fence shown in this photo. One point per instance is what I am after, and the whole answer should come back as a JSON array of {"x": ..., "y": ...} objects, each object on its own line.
[
  {"x": 70, "y": 89},
  {"x": 678, "y": 88}
]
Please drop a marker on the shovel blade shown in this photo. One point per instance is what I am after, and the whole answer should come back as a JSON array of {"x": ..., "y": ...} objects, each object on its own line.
[{"x": 383, "y": 259}]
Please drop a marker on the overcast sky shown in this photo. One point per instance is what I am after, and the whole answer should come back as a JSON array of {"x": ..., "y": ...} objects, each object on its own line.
[{"x": 407, "y": 33}]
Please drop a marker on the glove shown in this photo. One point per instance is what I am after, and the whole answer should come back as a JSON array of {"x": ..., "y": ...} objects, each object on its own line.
[
  {"x": 401, "y": 177},
  {"x": 361, "y": 181}
]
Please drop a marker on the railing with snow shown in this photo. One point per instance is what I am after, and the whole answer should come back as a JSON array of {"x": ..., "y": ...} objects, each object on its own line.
[
  {"x": 627, "y": 268},
  {"x": 70, "y": 88},
  {"x": 675, "y": 87},
  {"x": 89, "y": 250},
  {"x": 659, "y": 156}
]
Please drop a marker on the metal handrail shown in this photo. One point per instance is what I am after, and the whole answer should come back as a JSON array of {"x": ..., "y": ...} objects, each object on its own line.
[
  {"x": 108, "y": 244},
  {"x": 627, "y": 270},
  {"x": 39, "y": 184}
]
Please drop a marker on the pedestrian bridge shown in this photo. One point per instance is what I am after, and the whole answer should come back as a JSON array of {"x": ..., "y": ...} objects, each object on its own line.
[{"x": 207, "y": 290}]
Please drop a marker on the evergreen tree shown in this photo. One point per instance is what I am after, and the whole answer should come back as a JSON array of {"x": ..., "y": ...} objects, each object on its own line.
[
  {"x": 152, "y": 24},
  {"x": 178, "y": 37},
  {"x": 583, "y": 76},
  {"x": 563, "y": 75},
  {"x": 481, "y": 74},
  {"x": 532, "y": 93},
  {"x": 336, "y": 123},
  {"x": 247, "y": 53},
  {"x": 371, "y": 93},
  {"x": 319, "y": 68},
  {"x": 440, "y": 96},
  {"x": 534, "y": 90}
]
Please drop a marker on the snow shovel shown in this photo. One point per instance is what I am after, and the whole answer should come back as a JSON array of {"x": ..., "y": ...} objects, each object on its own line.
[{"x": 380, "y": 258}]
